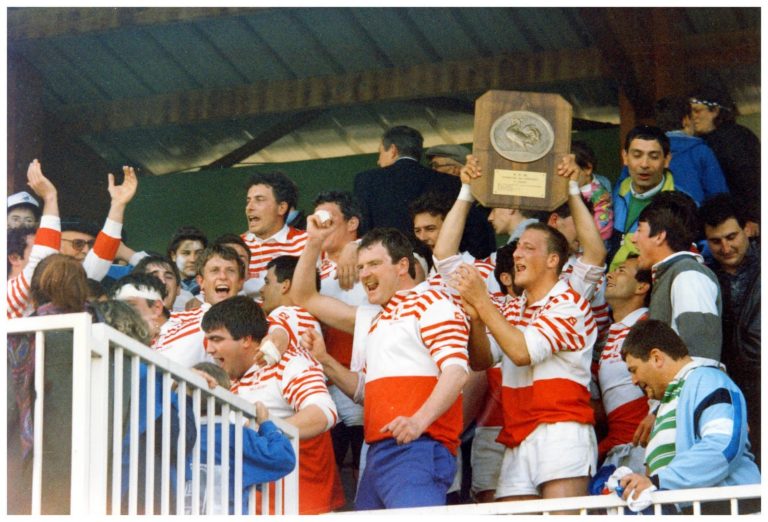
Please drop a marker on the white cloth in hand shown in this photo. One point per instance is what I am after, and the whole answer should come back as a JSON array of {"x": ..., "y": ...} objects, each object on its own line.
[{"x": 634, "y": 503}]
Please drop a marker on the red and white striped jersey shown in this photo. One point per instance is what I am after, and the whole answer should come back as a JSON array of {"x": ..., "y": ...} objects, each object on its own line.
[
  {"x": 288, "y": 241},
  {"x": 47, "y": 242},
  {"x": 559, "y": 334},
  {"x": 182, "y": 339},
  {"x": 625, "y": 404},
  {"x": 589, "y": 282},
  {"x": 410, "y": 342},
  {"x": 294, "y": 383},
  {"x": 99, "y": 259},
  {"x": 616, "y": 386},
  {"x": 294, "y": 321}
]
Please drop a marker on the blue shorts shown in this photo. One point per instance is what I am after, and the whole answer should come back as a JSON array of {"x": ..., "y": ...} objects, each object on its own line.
[{"x": 410, "y": 475}]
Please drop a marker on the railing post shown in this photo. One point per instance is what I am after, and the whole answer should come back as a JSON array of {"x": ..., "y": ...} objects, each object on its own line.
[
  {"x": 38, "y": 424},
  {"x": 99, "y": 420},
  {"x": 81, "y": 411}
]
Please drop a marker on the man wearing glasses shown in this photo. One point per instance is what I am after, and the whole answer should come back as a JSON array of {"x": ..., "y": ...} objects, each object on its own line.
[
  {"x": 97, "y": 249},
  {"x": 78, "y": 237}
]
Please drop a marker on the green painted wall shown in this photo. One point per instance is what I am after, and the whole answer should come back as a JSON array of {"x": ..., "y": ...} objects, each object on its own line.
[{"x": 215, "y": 200}]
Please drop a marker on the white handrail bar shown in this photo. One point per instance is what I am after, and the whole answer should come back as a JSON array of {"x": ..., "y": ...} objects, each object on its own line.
[{"x": 575, "y": 503}]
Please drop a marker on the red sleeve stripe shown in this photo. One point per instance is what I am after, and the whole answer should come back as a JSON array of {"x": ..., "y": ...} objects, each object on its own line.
[
  {"x": 106, "y": 246},
  {"x": 448, "y": 351},
  {"x": 298, "y": 389},
  {"x": 552, "y": 346},
  {"x": 17, "y": 297},
  {"x": 48, "y": 237},
  {"x": 306, "y": 392},
  {"x": 551, "y": 327},
  {"x": 460, "y": 356},
  {"x": 442, "y": 324},
  {"x": 456, "y": 336}
]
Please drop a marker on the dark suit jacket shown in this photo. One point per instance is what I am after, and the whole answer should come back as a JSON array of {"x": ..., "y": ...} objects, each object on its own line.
[{"x": 385, "y": 193}]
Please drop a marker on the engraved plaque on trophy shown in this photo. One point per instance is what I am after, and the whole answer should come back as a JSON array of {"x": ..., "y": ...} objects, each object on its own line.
[{"x": 519, "y": 138}]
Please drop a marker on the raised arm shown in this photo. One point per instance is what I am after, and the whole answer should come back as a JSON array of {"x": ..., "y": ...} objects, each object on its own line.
[
  {"x": 47, "y": 242},
  {"x": 43, "y": 188},
  {"x": 448, "y": 240},
  {"x": 121, "y": 194},
  {"x": 592, "y": 245},
  {"x": 304, "y": 293},
  {"x": 104, "y": 250}
]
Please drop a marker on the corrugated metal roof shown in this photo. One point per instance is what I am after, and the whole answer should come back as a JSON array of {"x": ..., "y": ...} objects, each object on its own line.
[{"x": 137, "y": 59}]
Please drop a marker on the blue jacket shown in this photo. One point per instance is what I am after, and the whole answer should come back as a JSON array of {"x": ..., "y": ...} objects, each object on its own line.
[
  {"x": 190, "y": 438},
  {"x": 267, "y": 456},
  {"x": 621, "y": 240},
  {"x": 695, "y": 167},
  {"x": 711, "y": 444}
]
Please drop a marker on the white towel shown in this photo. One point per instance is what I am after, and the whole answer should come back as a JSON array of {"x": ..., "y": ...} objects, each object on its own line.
[{"x": 634, "y": 503}]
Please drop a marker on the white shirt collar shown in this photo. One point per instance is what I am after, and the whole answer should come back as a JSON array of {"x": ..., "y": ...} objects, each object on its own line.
[
  {"x": 631, "y": 318},
  {"x": 281, "y": 236}
]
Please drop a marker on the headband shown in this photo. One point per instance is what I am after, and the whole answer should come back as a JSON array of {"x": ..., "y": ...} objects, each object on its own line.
[
  {"x": 710, "y": 104},
  {"x": 129, "y": 290}
]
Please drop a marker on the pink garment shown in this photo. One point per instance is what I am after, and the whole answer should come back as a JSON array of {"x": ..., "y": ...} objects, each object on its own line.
[{"x": 602, "y": 206}]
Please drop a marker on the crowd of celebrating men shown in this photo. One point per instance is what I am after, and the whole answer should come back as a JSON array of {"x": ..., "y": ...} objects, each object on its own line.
[{"x": 620, "y": 329}]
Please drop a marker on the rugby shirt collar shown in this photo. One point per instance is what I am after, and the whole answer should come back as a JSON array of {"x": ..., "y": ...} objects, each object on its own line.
[
  {"x": 632, "y": 317},
  {"x": 559, "y": 288},
  {"x": 280, "y": 237}
]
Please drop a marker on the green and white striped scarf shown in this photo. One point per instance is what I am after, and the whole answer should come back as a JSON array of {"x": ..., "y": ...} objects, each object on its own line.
[{"x": 661, "y": 446}]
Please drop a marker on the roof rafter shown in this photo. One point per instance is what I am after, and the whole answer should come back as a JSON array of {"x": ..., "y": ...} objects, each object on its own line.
[
  {"x": 45, "y": 22},
  {"x": 263, "y": 139},
  {"x": 407, "y": 83}
]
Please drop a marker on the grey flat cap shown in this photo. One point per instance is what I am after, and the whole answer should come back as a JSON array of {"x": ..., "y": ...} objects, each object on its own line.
[{"x": 455, "y": 152}]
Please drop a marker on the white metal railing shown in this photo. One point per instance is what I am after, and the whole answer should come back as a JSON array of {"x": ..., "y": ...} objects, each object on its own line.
[
  {"x": 93, "y": 489},
  {"x": 590, "y": 505}
]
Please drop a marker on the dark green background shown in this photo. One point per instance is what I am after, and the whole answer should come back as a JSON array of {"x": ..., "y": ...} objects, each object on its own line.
[{"x": 214, "y": 200}]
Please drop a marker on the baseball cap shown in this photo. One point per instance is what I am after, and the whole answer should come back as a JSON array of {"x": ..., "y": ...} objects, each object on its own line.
[{"x": 22, "y": 198}]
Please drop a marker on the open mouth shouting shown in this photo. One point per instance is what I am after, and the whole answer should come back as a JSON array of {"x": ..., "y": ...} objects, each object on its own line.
[
  {"x": 370, "y": 285},
  {"x": 222, "y": 291}
]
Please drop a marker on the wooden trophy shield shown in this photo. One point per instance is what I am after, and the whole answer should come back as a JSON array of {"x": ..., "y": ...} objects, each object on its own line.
[{"x": 519, "y": 138}]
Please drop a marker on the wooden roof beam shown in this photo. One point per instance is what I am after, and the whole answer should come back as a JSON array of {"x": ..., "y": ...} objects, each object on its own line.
[
  {"x": 25, "y": 23},
  {"x": 624, "y": 43},
  {"x": 393, "y": 84},
  {"x": 263, "y": 139}
]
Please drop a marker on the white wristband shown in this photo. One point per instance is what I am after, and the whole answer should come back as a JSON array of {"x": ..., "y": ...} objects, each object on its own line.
[
  {"x": 465, "y": 194},
  {"x": 271, "y": 353},
  {"x": 573, "y": 188}
]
